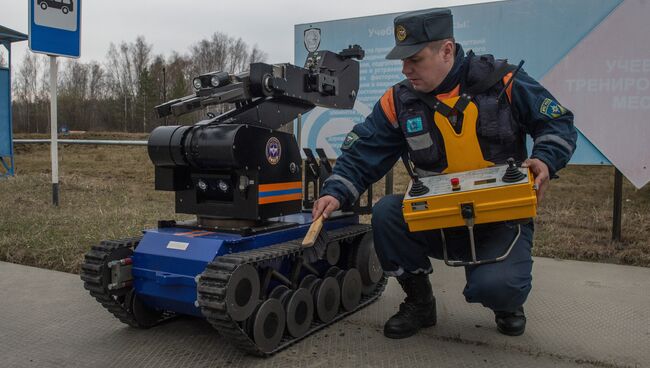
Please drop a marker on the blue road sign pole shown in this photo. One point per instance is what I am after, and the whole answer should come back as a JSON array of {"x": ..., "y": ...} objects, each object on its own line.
[
  {"x": 55, "y": 30},
  {"x": 54, "y": 146}
]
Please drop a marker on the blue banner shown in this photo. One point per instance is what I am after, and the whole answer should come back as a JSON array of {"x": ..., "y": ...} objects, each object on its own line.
[{"x": 540, "y": 32}]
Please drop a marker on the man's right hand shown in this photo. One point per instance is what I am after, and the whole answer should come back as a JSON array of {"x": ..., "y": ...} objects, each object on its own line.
[{"x": 325, "y": 205}]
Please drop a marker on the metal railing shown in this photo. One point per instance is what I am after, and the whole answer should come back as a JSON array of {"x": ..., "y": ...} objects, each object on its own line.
[{"x": 83, "y": 141}]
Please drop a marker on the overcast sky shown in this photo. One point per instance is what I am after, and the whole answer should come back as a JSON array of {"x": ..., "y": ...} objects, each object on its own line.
[{"x": 175, "y": 25}]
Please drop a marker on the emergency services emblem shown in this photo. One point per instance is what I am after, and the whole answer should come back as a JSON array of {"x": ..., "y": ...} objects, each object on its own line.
[
  {"x": 349, "y": 140},
  {"x": 551, "y": 108},
  {"x": 400, "y": 33},
  {"x": 312, "y": 39},
  {"x": 273, "y": 150},
  {"x": 414, "y": 125}
]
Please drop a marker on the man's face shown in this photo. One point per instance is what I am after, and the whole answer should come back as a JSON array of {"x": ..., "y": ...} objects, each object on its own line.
[{"x": 428, "y": 68}]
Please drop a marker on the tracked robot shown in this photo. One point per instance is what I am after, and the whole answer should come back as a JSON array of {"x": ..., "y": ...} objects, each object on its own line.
[{"x": 240, "y": 263}]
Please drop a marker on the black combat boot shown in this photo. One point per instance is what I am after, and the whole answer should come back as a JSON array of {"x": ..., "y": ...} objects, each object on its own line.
[
  {"x": 511, "y": 323},
  {"x": 418, "y": 309}
]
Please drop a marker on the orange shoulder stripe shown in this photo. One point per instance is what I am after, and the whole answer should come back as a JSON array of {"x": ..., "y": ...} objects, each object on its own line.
[
  {"x": 388, "y": 106},
  {"x": 506, "y": 78}
]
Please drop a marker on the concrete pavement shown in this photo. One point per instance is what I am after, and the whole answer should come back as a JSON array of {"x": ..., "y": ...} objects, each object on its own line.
[{"x": 579, "y": 315}]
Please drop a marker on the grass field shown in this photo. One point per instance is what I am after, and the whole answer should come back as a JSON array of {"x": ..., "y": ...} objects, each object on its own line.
[{"x": 107, "y": 193}]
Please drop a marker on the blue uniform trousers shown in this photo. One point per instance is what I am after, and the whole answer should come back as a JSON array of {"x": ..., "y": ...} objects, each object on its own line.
[{"x": 501, "y": 286}]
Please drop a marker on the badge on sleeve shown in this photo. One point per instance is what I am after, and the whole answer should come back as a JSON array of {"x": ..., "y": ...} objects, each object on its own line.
[
  {"x": 349, "y": 140},
  {"x": 551, "y": 108},
  {"x": 414, "y": 125}
]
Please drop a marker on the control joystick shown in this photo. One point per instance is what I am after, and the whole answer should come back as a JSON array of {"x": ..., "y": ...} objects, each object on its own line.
[
  {"x": 418, "y": 188},
  {"x": 512, "y": 174}
]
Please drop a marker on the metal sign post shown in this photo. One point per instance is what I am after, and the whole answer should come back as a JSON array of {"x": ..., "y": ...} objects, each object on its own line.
[
  {"x": 54, "y": 147},
  {"x": 55, "y": 30},
  {"x": 618, "y": 205}
]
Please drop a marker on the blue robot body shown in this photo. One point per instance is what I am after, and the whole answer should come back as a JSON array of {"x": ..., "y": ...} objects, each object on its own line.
[{"x": 167, "y": 261}]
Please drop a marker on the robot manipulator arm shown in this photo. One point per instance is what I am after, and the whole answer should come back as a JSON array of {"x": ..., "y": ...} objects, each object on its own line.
[{"x": 328, "y": 79}]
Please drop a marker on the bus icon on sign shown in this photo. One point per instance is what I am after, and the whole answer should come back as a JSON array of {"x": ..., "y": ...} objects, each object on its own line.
[
  {"x": 60, "y": 14},
  {"x": 66, "y": 6}
]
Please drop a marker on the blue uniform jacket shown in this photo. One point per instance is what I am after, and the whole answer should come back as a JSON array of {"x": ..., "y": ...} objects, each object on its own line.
[{"x": 373, "y": 147}]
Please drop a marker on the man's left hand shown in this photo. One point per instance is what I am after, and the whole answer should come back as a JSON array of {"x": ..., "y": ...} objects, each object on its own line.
[{"x": 541, "y": 174}]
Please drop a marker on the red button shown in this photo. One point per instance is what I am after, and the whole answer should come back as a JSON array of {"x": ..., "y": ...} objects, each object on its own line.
[{"x": 455, "y": 181}]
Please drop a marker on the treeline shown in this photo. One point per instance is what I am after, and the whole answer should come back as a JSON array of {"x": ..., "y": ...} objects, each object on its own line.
[{"x": 119, "y": 94}]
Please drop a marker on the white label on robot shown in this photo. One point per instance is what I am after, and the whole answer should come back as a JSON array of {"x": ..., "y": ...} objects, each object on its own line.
[{"x": 177, "y": 245}]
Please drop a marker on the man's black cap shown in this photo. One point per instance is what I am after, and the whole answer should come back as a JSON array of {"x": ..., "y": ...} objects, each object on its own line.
[{"x": 414, "y": 30}]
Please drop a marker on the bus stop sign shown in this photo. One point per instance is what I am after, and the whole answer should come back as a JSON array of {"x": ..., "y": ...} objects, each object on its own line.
[{"x": 55, "y": 27}]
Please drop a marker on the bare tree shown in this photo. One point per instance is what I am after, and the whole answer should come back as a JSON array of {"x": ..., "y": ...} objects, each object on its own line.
[
  {"x": 97, "y": 82},
  {"x": 26, "y": 87},
  {"x": 141, "y": 77},
  {"x": 238, "y": 56},
  {"x": 210, "y": 55},
  {"x": 257, "y": 55},
  {"x": 98, "y": 112},
  {"x": 75, "y": 79},
  {"x": 178, "y": 72},
  {"x": 74, "y": 86},
  {"x": 158, "y": 75},
  {"x": 121, "y": 78},
  {"x": 140, "y": 54}
]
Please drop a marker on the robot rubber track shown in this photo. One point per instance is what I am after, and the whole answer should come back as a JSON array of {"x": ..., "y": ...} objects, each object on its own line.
[
  {"x": 214, "y": 282},
  {"x": 96, "y": 276}
]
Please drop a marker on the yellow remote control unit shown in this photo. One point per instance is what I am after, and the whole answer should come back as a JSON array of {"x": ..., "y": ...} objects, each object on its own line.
[{"x": 497, "y": 193}]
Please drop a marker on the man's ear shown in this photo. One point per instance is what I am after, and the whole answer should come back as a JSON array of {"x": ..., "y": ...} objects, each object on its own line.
[{"x": 448, "y": 50}]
